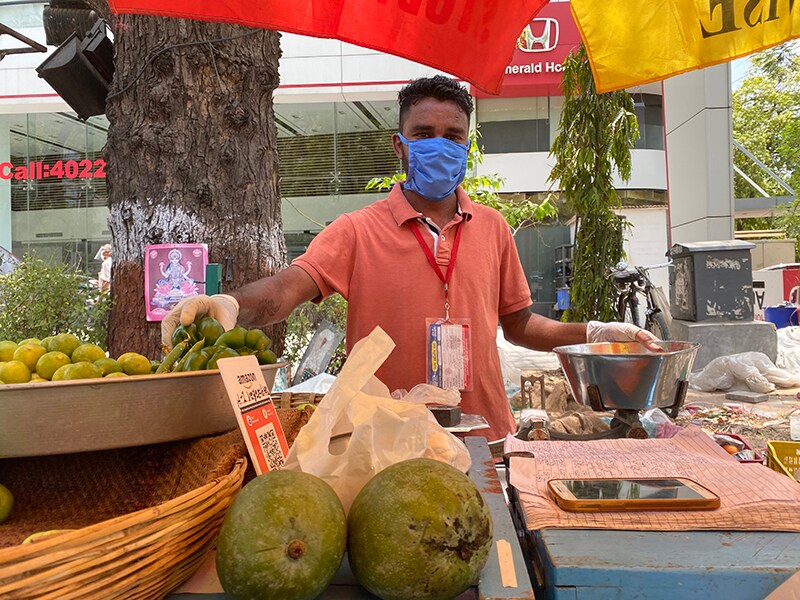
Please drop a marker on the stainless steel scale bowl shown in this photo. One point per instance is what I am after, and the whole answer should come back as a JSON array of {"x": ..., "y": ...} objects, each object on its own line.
[{"x": 626, "y": 377}]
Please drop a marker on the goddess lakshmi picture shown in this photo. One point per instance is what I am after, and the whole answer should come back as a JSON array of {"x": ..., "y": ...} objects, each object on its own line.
[{"x": 172, "y": 272}]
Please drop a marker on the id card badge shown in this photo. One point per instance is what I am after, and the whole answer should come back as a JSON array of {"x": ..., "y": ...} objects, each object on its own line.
[{"x": 449, "y": 353}]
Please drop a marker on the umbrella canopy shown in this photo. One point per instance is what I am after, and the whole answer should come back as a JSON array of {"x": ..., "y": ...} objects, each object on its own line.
[
  {"x": 635, "y": 42},
  {"x": 471, "y": 39},
  {"x": 629, "y": 42}
]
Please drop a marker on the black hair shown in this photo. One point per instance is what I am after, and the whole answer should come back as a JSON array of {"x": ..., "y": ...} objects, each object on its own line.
[{"x": 438, "y": 87}]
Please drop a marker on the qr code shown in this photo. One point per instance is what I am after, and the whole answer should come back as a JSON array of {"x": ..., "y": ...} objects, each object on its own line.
[{"x": 271, "y": 446}]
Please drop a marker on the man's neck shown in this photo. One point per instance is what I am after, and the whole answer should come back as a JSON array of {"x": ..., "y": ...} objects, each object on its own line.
[{"x": 441, "y": 212}]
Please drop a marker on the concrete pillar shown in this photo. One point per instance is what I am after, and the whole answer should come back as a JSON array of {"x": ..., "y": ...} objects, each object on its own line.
[
  {"x": 5, "y": 187},
  {"x": 697, "y": 120}
]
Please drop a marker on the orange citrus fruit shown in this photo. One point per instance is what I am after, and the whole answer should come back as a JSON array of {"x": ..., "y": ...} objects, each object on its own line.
[
  {"x": 15, "y": 371},
  {"x": 108, "y": 366},
  {"x": 88, "y": 353},
  {"x": 6, "y": 502},
  {"x": 50, "y": 362},
  {"x": 134, "y": 364},
  {"x": 63, "y": 342},
  {"x": 7, "y": 348},
  {"x": 60, "y": 372},
  {"x": 29, "y": 354},
  {"x": 82, "y": 370}
]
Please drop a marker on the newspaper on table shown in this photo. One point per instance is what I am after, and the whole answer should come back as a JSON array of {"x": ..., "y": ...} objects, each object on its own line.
[{"x": 752, "y": 497}]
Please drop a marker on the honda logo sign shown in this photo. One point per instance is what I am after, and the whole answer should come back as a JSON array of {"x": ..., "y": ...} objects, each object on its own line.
[{"x": 540, "y": 36}]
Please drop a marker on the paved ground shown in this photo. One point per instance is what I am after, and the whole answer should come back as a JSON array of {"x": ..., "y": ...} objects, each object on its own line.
[{"x": 756, "y": 423}]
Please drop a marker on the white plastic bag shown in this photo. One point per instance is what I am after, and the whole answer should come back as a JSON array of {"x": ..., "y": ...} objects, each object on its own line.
[
  {"x": 424, "y": 393},
  {"x": 753, "y": 370},
  {"x": 382, "y": 431}
]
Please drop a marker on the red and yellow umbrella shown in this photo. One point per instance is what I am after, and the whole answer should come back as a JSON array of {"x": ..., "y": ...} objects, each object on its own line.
[{"x": 629, "y": 41}]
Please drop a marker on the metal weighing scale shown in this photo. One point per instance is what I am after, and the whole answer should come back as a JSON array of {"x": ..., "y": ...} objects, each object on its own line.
[{"x": 622, "y": 377}]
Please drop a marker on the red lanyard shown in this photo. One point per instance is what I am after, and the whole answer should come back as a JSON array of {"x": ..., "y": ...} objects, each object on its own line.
[{"x": 445, "y": 279}]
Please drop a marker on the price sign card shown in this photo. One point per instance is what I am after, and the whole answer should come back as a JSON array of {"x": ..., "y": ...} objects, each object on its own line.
[{"x": 255, "y": 413}]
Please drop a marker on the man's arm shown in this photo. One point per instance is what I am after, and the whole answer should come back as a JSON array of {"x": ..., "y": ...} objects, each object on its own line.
[
  {"x": 534, "y": 331},
  {"x": 530, "y": 330},
  {"x": 272, "y": 299}
]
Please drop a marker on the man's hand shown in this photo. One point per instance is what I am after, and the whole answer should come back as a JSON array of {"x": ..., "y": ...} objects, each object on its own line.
[
  {"x": 621, "y": 332},
  {"x": 221, "y": 307}
]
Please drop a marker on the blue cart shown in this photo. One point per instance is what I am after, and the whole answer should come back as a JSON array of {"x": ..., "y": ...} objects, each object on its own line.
[{"x": 573, "y": 564}]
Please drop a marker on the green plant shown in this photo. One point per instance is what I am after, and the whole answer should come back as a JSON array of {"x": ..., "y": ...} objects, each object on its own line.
[
  {"x": 485, "y": 189},
  {"x": 596, "y": 134},
  {"x": 303, "y": 322},
  {"x": 766, "y": 121},
  {"x": 39, "y": 299}
]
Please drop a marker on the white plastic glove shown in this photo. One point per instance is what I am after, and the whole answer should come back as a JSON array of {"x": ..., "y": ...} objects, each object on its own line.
[
  {"x": 222, "y": 307},
  {"x": 597, "y": 331}
]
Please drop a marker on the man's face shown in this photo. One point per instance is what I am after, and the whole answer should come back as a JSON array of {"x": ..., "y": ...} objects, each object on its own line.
[{"x": 432, "y": 118}]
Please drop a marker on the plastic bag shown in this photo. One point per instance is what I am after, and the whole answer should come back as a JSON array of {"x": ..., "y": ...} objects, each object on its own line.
[
  {"x": 381, "y": 431},
  {"x": 789, "y": 348},
  {"x": 753, "y": 370},
  {"x": 424, "y": 393}
]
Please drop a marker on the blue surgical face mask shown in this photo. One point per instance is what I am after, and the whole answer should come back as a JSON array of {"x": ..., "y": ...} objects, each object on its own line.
[{"x": 435, "y": 167}]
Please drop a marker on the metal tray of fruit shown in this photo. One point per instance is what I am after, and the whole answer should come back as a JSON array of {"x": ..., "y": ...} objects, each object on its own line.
[{"x": 60, "y": 417}]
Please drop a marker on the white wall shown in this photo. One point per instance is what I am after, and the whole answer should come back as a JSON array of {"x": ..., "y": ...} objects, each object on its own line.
[
  {"x": 700, "y": 154},
  {"x": 647, "y": 242},
  {"x": 21, "y": 89},
  {"x": 528, "y": 171},
  {"x": 317, "y": 70}
]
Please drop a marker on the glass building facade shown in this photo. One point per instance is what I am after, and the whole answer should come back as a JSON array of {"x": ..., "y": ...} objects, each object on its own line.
[
  {"x": 53, "y": 197},
  {"x": 52, "y": 165}
]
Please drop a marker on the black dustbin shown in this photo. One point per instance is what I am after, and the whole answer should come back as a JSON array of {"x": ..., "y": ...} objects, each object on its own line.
[{"x": 712, "y": 281}]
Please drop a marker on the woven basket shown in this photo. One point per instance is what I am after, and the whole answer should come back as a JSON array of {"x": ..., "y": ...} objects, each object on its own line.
[
  {"x": 293, "y": 399},
  {"x": 142, "y": 519}
]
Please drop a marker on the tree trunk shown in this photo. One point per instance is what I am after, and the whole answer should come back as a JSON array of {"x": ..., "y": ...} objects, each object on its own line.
[{"x": 192, "y": 158}]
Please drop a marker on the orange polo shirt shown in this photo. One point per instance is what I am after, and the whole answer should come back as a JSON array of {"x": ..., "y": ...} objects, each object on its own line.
[{"x": 372, "y": 258}]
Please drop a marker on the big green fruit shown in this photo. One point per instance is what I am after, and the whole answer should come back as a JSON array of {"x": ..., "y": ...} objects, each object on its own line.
[
  {"x": 283, "y": 538},
  {"x": 419, "y": 529}
]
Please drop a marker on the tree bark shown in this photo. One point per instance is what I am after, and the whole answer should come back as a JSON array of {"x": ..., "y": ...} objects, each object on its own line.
[{"x": 191, "y": 158}]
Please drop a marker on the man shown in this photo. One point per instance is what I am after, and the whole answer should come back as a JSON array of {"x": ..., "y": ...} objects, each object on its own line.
[
  {"x": 423, "y": 255},
  {"x": 104, "y": 276}
]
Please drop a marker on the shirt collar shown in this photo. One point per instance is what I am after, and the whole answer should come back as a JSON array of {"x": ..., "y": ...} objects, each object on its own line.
[{"x": 402, "y": 211}]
